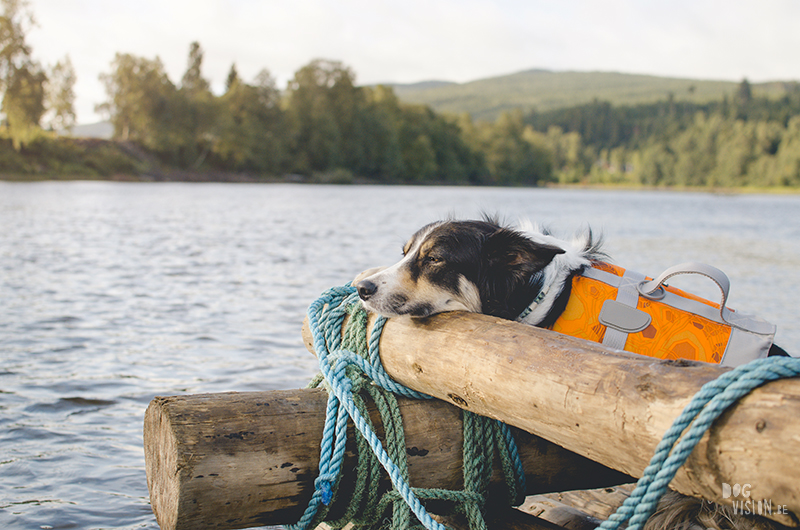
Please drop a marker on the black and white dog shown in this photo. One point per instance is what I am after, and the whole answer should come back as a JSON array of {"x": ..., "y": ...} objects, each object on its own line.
[{"x": 483, "y": 267}]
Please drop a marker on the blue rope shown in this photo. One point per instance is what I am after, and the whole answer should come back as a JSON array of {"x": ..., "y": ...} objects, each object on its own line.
[
  {"x": 706, "y": 406},
  {"x": 326, "y": 316}
]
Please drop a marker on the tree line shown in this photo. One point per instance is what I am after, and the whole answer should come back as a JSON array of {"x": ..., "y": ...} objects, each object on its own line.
[
  {"x": 326, "y": 127},
  {"x": 738, "y": 141},
  {"x": 322, "y": 124}
]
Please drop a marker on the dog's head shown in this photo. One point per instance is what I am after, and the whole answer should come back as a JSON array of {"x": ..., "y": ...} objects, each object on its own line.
[{"x": 475, "y": 266}]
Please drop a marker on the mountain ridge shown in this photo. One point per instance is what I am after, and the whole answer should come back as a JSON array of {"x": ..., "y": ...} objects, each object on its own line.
[{"x": 543, "y": 90}]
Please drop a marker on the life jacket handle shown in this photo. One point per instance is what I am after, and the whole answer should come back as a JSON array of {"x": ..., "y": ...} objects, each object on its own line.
[{"x": 653, "y": 289}]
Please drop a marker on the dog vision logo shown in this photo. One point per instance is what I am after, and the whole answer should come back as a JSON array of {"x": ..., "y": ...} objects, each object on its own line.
[{"x": 739, "y": 494}]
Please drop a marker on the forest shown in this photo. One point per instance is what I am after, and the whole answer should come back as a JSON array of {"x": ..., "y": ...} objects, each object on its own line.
[
  {"x": 739, "y": 141},
  {"x": 323, "y": 127}
]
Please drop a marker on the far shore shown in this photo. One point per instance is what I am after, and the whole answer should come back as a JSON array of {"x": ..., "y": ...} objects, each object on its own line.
[{"x": 325, "y": 179}]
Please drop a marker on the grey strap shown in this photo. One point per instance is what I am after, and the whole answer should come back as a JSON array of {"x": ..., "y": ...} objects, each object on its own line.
[{"x": 615, "y": 317}]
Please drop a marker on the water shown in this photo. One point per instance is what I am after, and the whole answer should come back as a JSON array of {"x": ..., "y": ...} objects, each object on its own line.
[{"x": 112, "y": 293}]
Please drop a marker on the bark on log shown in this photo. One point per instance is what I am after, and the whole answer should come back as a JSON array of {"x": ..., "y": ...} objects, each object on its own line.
[
  {"x": 238, "y": 460},
  {"x": 577, "y": 510},
  {"x": 610, "y": 406}
]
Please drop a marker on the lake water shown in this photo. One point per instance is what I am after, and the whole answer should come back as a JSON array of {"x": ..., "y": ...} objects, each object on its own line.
[{"x": 113, "y": 293}]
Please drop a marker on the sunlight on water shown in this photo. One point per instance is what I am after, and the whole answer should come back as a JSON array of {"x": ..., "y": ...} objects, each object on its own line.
[{"x": 115, "y": 293}]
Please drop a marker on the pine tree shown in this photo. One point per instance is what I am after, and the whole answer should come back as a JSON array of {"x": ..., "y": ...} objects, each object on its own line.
[
  {"x": 193, "y": 80},
  {"x": 744, "y": 94},
  {"x": 232, "y": 79}
]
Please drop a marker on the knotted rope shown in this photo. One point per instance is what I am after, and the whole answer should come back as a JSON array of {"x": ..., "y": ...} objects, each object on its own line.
[
  {"x": 350, "y": 369},
  {"x": 706, "y": 406}
]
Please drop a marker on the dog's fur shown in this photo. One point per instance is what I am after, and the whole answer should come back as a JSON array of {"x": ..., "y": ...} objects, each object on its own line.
[
  {"x": 680, "y": 512},
  {"x": 483, "y": 267}
]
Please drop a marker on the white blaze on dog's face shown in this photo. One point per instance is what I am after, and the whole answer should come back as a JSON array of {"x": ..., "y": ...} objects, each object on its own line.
[{"x": 431, "y": 278}]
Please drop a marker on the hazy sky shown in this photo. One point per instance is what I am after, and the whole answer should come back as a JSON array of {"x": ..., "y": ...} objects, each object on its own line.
[{"x": 417, "y": 40}]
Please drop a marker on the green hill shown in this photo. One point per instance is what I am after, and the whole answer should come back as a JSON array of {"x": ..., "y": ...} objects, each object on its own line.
[{"x": 543, "y": 90}]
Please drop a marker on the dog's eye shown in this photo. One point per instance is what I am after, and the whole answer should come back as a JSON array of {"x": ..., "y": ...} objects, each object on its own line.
[{"x": 433, "y": 259}]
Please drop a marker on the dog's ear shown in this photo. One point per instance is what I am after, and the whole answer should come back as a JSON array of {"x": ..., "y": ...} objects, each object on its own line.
[
  {"x": 509, "y": 261},
  {"x": 509, "y": 251}
]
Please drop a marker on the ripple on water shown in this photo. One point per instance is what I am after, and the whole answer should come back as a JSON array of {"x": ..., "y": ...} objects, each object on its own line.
[{"x": 72, "y": 404}]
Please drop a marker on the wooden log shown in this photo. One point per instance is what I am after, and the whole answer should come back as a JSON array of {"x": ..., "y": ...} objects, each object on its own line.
[
  {"x": 610, "y": 406},
  {"x": 561, "y": 514},
  {"x": 238, "y": 460},
  {"x": 577, "y": 510}
]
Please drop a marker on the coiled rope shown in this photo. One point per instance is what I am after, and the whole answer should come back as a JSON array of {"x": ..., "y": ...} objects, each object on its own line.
[
  {"x": 673, "y": 450},
  {"x": 351, "y": 369}
]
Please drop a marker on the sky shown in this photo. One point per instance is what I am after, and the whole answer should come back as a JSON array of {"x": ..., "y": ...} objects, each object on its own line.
[{"x": 419, "y": 40}]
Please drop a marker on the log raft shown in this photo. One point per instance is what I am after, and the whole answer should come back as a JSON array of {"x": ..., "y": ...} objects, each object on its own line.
[
  {"x": 610, "y": 406},
  {"x": 241, "y": 460}
]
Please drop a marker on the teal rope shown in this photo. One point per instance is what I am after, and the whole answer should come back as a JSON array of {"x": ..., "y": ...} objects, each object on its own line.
[
  {"x": 326, "y": 316},
  {"x": 706, "y": 406},
  {"x": 340, "y": 405}
]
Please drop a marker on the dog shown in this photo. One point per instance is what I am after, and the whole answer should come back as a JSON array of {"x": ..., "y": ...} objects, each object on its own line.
[
  {"x": 481, "y": 266},
  {"x": 520, "y": 274}
]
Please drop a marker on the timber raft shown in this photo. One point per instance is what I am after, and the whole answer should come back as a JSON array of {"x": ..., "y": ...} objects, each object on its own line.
[{"x": 586, "y": 417}]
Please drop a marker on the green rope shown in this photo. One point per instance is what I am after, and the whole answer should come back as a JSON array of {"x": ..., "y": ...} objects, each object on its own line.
[{"x": 369, "y": 506}]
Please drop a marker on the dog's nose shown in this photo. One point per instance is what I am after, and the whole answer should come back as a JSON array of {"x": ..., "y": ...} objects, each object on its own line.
[{"x": 366, "y": 289}]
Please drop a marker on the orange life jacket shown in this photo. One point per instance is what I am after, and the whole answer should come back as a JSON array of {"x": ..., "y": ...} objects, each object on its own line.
[{"x": 606, "y": 305}]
